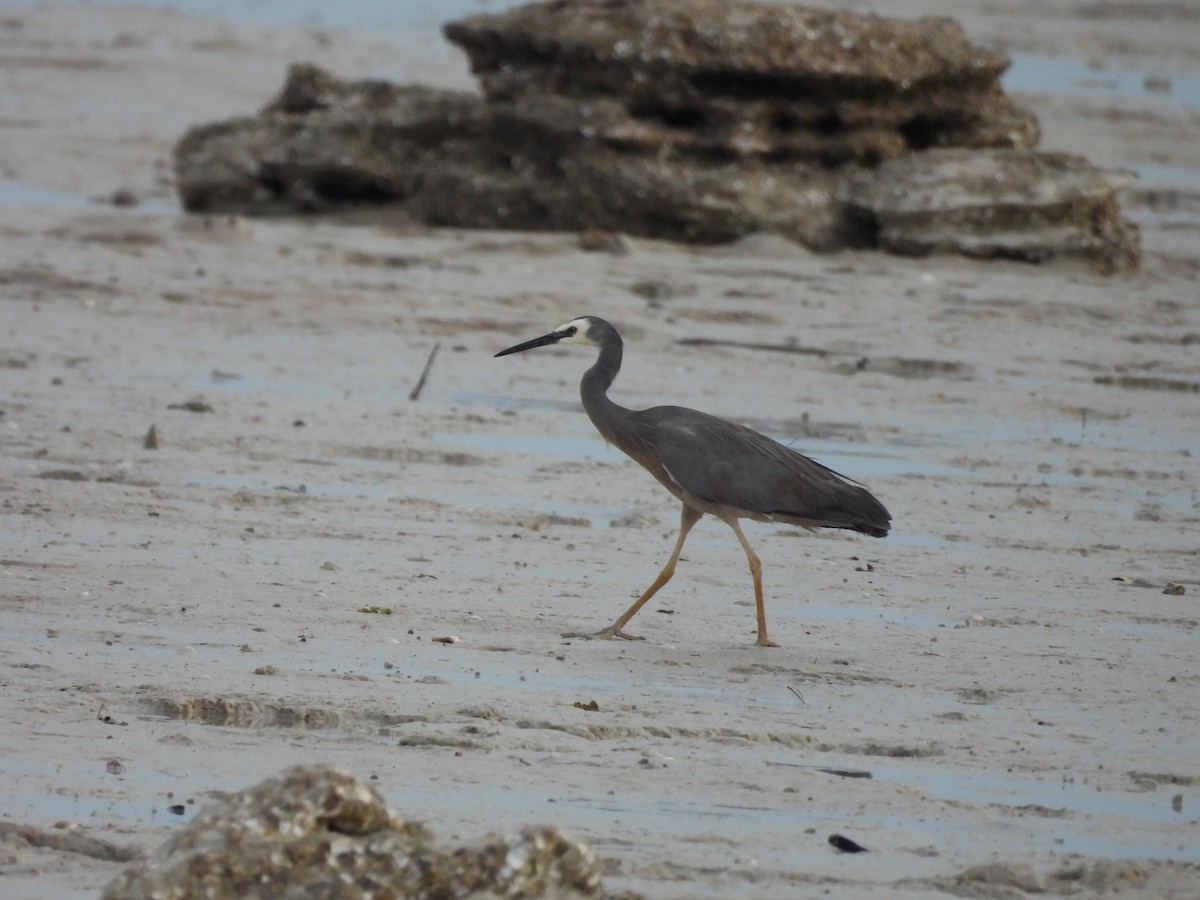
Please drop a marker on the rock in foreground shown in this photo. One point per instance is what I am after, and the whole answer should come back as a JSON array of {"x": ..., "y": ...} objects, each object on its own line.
[{"x": 318, "y": 832}]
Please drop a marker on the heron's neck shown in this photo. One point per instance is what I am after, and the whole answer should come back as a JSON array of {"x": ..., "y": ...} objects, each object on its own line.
[{"x": 593, "y": 389}]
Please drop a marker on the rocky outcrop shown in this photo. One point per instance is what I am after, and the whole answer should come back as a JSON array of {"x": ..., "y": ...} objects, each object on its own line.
[
  {"x": 997, "y": 204},
  {"x": 321, "y": 143},
  {"x": 318, "y": 832},
  {"x": 695, "y": 120},
  {"x": 746, "y": 80}
]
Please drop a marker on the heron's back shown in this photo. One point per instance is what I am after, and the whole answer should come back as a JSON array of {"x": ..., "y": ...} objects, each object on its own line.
[{"x": 735, "y": 467}]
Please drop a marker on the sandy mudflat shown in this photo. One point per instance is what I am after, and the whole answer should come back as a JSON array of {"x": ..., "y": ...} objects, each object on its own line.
[{"x": 1007, "y": 665}]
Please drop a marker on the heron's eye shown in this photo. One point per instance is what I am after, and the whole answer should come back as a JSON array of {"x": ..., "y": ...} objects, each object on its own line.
[{"x": 570, "y": 332}]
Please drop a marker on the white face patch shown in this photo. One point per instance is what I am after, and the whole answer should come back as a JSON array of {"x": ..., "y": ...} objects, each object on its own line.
[{"x": 580, "y": 336}]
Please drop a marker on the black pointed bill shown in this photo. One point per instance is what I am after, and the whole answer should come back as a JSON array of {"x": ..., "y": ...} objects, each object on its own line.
[{"x": 552, "y": 338}]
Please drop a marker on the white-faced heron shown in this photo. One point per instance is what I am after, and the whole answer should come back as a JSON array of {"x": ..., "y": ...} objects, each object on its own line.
[{"x": 712, "y": 466}]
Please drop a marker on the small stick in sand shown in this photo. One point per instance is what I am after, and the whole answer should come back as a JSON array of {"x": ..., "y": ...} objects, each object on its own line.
[{"x": 416, "y": 391}]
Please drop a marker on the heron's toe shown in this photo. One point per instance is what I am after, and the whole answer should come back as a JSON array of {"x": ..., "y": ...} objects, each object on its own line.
[{"x": 611, "y": 632}]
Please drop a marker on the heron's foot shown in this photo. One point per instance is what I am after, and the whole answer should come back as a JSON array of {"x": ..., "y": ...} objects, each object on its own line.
[
  {"x": 611, "y": 631},
  {"x": 764, "y": 641}
]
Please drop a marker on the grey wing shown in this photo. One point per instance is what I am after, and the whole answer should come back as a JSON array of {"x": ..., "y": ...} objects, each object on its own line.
[{"x": 733, "y": 466}]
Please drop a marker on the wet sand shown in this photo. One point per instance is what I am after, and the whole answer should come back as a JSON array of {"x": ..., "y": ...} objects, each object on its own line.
[{"x": 1011, "y": 677}]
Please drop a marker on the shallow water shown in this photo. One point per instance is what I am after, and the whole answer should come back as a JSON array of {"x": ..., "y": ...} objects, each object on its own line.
[
  {"x": 1068, "y": 829},
  {"x": 1062, "y": 74}
]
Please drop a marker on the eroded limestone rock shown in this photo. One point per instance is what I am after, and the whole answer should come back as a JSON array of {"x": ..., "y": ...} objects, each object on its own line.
[
  {"x": 694, "y": 120},
  {"x": 322, "y": 143},
  {"x": 740, "y": 78},
  {"x": 998, "y": 204}
]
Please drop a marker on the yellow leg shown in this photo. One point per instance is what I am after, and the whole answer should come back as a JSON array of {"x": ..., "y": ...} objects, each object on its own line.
[
  {"x": 756, "y": 574},
  {"x": 687, "y": 519}
]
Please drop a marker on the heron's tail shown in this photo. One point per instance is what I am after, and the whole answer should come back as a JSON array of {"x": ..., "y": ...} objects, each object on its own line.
[
  {"x": 855, "y": 509},
  {"x": 869, "y": 516},
  {"x": 871, "y": 528}
]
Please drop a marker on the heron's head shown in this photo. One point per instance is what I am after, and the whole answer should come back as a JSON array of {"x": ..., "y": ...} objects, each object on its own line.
[{"x": 584, "y": 330}]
